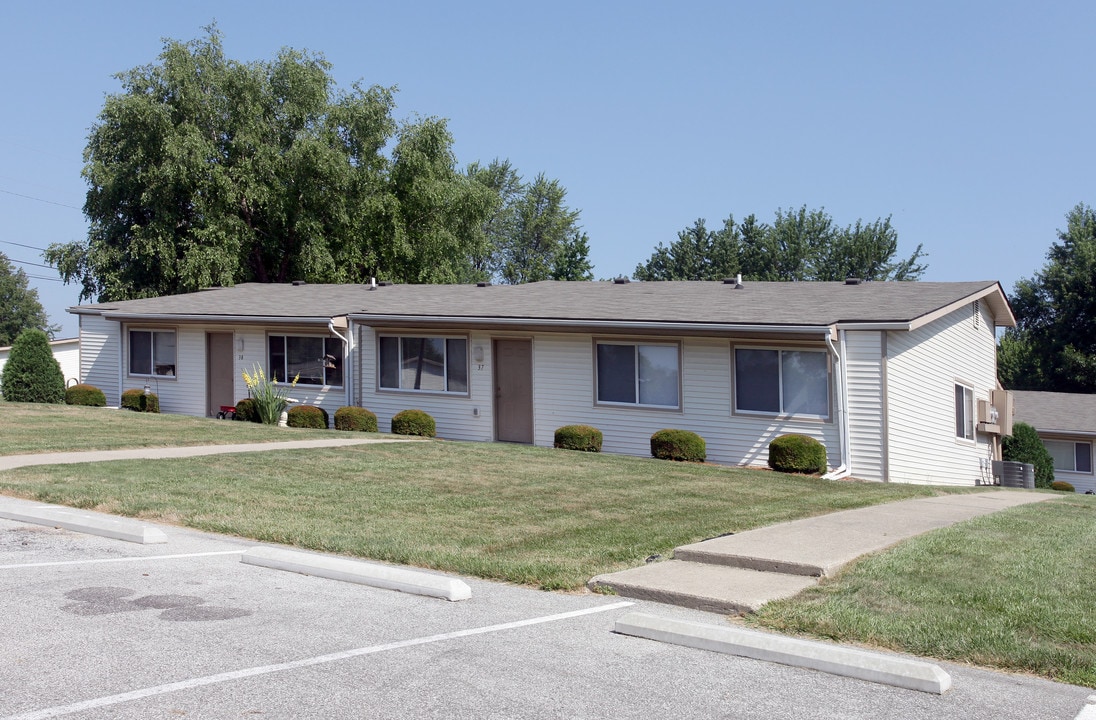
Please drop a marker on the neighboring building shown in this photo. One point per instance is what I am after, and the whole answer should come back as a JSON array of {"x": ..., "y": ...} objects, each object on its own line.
[
  {"x": 67, "y": 353},
  {"x": 888, "y": 376},
  {"x": 1066, "y": 423}
]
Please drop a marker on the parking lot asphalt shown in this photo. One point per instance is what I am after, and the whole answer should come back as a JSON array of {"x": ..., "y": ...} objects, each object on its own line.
[{"x": 92, "y": 627}]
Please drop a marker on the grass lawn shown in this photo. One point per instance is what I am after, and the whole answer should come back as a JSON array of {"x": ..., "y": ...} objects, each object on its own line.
[
  {"x": 37, "y": 428},
  {"x": 538, "y": 516},
  {"x": 1015, "y": 590}
]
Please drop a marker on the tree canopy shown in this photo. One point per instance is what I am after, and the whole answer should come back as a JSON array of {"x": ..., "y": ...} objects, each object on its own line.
[
  {"x": 799, "y": 245},
  {"x": 208, "y": 171},
  {"x": 20, "y": 308},
  {"x": 1053, "y": 346}
]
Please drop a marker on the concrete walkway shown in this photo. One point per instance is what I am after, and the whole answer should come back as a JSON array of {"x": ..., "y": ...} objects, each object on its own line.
[
  {"x": 739, "y": 573},
  {"x": 8, "y": 462}
]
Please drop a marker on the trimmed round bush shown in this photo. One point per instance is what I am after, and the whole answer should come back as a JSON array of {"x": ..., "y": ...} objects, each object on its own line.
[
  {"x": 1062, "y": 485},
  {"x": 680, "y": 445},
  {"x": 351, "y": 417},
  {"x": 247, "y": 412},
  {"x": 1024, "y": 446},
  {"x": 307, "y": 416},
  {"x": 585, "y": 438},
  {"x": 88, "y": 395},
  {"x": 797, "y": 454},
  {"x": 414, "y": 422},
  {"x": 136, "y": 400},
  {"x": 31, "y": 373}
]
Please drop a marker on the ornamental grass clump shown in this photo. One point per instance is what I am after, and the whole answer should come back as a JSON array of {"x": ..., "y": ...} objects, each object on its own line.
[
  {"x": 271, "y": 399},
  {"x": 797, "y": 454},
  {"x": 351, "y": 417}
]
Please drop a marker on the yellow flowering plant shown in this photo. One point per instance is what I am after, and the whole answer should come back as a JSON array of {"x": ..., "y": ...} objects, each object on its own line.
[{"x": 271, "y": 399}]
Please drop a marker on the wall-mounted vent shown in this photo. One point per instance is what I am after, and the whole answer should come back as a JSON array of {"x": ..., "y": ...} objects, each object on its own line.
[{"x": 977, "y": 313}]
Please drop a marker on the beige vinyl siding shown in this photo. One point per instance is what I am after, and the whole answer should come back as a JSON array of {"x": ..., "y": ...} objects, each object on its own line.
[
  {"x": 923, "y": 367},
  {"x": 100, "y": 344},
  {"x": 867, "y": 427},
  {"x": 455, "y": 415}
]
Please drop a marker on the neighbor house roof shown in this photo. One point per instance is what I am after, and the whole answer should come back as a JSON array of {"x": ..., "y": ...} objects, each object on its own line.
[
  {"x": 789, "y": 305},
  {"x": 1054, "y": 412}
]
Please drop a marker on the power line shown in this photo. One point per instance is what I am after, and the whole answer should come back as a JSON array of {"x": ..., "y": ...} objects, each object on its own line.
[
  {"x": 29, "y": 197},
  {"x": 42, "y": 277},
  {"x": 27, "y": 262},
  {"x": 28, "y": 247}
]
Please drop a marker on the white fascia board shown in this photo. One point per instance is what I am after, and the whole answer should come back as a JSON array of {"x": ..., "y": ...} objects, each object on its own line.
[
  {"x": 998, "y": 302},
  {"x": 902, "y": 326},
  {"x": 684, "y": 327},
  {"x": 217, "y": 319}
]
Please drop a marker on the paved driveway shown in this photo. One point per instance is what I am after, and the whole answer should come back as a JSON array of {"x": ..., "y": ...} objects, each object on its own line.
[{"x": 99, "y": 628}]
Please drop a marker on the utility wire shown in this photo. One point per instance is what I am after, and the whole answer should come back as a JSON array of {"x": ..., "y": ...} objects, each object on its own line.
[
  {"x": 50, "y": 202},
  {"x": 27, "y": 262},
  {"x": 28, "y": 247},
  {"x": 42, "y": 277}
]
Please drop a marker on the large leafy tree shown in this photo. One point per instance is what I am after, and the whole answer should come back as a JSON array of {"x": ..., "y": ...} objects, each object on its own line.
[
  {"x": 1053, "y": 346},
  {"x": 799, "y": 245},
  {"x": 208, "y": 171},
  {"x": 20, "y": 308}
]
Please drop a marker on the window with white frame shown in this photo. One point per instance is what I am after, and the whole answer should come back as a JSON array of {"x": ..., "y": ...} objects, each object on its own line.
[
  {"x": 964, "y": 412},
  {"x": 1070, "y": 456},
  {"x": 423, "y": 364},
  {"x": 782, "y": 382},
  {"x": 643, "y": 374},
  {"x": 312, "y": 359},
  {"x": 152, "y": 352}
]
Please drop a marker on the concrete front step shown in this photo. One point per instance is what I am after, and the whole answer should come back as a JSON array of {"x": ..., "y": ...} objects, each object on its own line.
[{"x": 712, "y": 588}]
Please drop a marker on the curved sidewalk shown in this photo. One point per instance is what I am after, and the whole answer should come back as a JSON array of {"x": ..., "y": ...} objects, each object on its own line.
[
  {"x": 9, "y": 462},
  {"x": 739, "y": 573}
]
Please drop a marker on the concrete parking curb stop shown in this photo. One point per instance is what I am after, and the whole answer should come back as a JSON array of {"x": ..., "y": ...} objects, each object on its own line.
[
  {"x": 833, "y": 659},
  {"x": 356, "y": 571},
  {"x": 83, "y": 522}
]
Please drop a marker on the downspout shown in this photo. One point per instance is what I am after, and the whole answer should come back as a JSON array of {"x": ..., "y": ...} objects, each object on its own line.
[
  {"x": 348, "y": 373},
  {"x": 843, "y": 470}
]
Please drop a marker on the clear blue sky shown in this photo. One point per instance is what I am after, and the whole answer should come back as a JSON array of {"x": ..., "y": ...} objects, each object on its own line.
[{"x": 970, "y": 123}]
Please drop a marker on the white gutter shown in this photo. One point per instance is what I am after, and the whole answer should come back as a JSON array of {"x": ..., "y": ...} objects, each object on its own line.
[
  {"x": 217, "y": 319},
  {"x": 348, "y": 375},
  {"x": 843, "y": 470},
  {"x": 580, "y": 323}
]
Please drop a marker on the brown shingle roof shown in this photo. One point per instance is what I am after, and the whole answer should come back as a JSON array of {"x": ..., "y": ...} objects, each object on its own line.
[{"x": 815, "y": 304}]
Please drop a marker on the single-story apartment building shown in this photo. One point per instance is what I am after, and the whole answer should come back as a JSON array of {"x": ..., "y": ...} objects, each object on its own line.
[
  {"x": 897, "y": 379},
  {"x": 67, "y": 353},
  {"x": 1066, "y": 423}
]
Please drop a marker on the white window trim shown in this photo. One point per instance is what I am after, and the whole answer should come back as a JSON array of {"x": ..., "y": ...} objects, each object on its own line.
[
  {"x": 970, "y": 419},
  {"x": 780, "y": 414},
  {"x": 306, "y": 386},
  {"x": 428, "y": 336},
  {"x": 152, "y": 363},
  {"x": 636, "y": 343}
]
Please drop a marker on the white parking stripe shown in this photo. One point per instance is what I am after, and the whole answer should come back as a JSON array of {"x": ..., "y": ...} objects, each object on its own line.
[
  {"x": 306, "y": 662},
  {"x": 115, "y": 560}
]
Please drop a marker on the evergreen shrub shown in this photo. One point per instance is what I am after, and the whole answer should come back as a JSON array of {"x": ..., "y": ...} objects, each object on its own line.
[
  {"x": 680, "y": 445},
  {"x": 351, "y": 417},
  {"x": 1062, "y": 485},
  {"x": 797, "y": 454},
  {"x": 31, "y": 373},
  {"x": 585, "y": 438},
  {"x": 1024, "y": 446},
  {"x": 135, "y": 399},
  {"x": 307, "y": 416},
  {"x": 414, "y": 422},
  {"x": 88, "y": 395},
  {"x": 248, "y": 411}
]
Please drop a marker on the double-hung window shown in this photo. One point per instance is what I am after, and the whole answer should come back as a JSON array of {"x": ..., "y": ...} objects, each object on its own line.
[
  {"x": 423, "y": 364},
  {"x": 964, "y": 412},
  {"x": 1070, "y": 456},
  {"x": 152, "y": 352},
  {"x": 646, "y": 375},
  {"x": 782, "y": 382},
  {"x": 313, "y": 360}
]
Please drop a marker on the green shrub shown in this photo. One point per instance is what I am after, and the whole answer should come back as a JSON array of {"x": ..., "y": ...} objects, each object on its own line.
[
  {"x": 579, "y": 437},
  {"x": 248, "y": 411},
  {"x": 797, "y": 454},
  {"x": 682, "y": 445},
  {"x": 88, "y": 395},
  {"x": 1062, "y": 485},
  {"x": 135, "y": 399},
  {"x": 413, "y": 422},
  {"x": 32, "y": 374},
  {"x": 307, "y": 416},
  {"x": 1024, "y": 446},
  {"x": 356, "y": 418}
]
